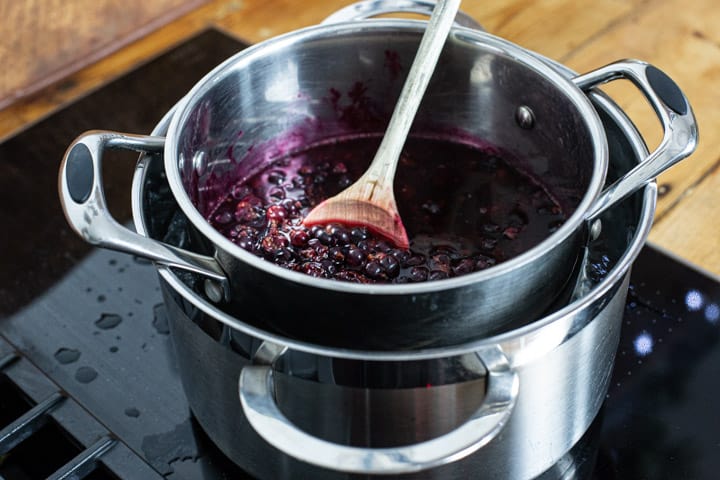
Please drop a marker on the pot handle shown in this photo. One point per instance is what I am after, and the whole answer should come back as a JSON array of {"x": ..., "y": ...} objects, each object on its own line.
[
  {"x": 83, "y": 201},
  {"x": 371, "y": 8},
  {"x": 256, "y": 389},
  {"x": 676, "y": 116}
]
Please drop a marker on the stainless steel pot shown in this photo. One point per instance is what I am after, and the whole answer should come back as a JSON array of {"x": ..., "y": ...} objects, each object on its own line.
[
  {"x": 482, "y": 86},
  {"x": 507, "y": 406}
]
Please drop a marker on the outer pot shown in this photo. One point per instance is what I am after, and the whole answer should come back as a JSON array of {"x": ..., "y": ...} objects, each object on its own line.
[
  {"x": 507, "y": 406},
  {"x": 283, "y": 85}
]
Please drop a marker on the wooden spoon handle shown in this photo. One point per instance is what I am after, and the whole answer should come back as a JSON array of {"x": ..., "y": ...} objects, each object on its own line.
[{"x": 382, "y": 169}]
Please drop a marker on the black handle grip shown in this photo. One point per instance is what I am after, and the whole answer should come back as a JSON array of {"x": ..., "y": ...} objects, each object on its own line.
[
  {"x": 667, "y": 90},
  {"x": 80, "y": 173}
]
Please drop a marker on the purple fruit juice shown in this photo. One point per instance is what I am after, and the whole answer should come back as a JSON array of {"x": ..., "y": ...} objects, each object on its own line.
[{"x": 465, "y": 209}]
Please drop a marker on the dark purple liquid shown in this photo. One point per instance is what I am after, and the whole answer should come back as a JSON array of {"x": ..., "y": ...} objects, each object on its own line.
[{"x": 465, "y": 209}]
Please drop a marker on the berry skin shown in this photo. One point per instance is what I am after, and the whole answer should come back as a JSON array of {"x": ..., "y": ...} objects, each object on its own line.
[{"x": 276, "y": 214}]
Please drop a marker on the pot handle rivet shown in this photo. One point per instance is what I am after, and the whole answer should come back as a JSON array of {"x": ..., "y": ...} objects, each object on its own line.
[
  {"x": 256, "y": 390},
  {"x": 525, "y": 117}
]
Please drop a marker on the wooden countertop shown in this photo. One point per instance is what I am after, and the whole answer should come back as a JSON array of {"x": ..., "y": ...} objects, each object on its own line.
[{"x": 678, "y": 36}]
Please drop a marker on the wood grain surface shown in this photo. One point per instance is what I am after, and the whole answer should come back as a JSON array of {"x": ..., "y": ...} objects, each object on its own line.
[
  {"x": 678, "y": 36},
  {"x": 45, "y": 40}
]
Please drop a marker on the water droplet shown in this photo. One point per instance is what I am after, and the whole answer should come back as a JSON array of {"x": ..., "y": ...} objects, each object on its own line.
[
  {"x": 85, "y": 374},
  {"x": 160, "y": 321},
  {"x": 108, "y": 321},
  {"x": 113, "y": 349},
  {"x": 67, "y": 355},
  {"x": 101, "y": 298},
  {"x": 112, "y": 262},
  {"x": 132, "y": 412}
]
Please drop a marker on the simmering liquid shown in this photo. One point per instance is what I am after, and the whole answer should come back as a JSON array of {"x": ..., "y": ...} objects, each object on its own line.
[{"x": 464, "y": 208}]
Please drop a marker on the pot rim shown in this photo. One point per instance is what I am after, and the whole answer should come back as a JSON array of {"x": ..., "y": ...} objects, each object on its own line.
[
  {"x": 563, "y": 84},
  {"x": 522, "y": 344}
]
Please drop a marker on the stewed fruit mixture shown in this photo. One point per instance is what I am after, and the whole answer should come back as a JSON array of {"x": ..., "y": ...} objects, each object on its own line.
[{"x": 465, "y": 209}]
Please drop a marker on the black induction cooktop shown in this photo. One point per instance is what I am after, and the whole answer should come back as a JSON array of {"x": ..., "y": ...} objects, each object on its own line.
[{"x": 88, "y": 380}]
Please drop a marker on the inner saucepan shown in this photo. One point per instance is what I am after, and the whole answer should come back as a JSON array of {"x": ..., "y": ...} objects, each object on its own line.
[{"x": 253, "y": 124}]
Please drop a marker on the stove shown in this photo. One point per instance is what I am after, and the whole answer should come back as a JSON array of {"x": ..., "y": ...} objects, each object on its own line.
[{"x": 89, "y": 386}]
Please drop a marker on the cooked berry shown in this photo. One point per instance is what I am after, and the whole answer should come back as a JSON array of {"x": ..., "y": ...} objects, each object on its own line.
[
  {"x": 400, "y": 255},
  {"x": 274, "y": 243},
  {"x": 245, "y": 211},
  {"x": 276, "y": 214},
  {"x": 355, "y": 256},
  {"x": 457, "y": 224},
  {"x": 335, "y": 254},
  {"x": 390, "y": 265},
  {"x": 318, "y": 246},
  {"x": 414, "y": 260},
  {"x": 325, "y": 237},
  {"x": 292, "y": 206},
  {"x": 299, "y": 238},
  {"x": 463, "y": 267},
  {"x": 418, "y": 274},
  {"x": 339, "y": 233},
  {"x": 440, "y": 260},
  {"x": 313, "y": 268},
  {"x": 374, "y": 270},
  {"x": 358, "y": 233},
  {"x": 244, "y": 243}
]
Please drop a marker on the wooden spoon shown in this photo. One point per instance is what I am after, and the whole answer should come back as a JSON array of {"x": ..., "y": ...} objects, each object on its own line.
[{"x": 370, "y": 201}]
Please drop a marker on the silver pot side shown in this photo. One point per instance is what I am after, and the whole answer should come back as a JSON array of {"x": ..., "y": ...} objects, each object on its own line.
[{"x": 560, "y": 396}]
